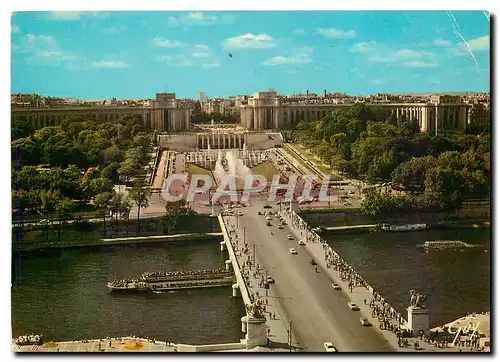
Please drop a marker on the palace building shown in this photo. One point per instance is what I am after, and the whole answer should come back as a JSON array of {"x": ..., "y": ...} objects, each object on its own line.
[
  {"x": 267, "y": 111},
  {"x": 163, "y": 113}
]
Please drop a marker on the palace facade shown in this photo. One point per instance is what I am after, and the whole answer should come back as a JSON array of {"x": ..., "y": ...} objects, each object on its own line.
[
  {"x": 163, "y": 114},
  {"x": 266, "y": 111}
]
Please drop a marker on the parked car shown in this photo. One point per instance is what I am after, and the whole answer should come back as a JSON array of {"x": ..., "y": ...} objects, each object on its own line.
[
  {"x": 313, "y": 262},
  {"x": 289, "y": 237},
  {"x": 301, "y": 242},
  {"x": 293, "y": 251},
  {"x": 270, "y": 279}
]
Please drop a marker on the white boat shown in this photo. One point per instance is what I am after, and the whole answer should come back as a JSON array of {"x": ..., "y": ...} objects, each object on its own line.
[
  {"x": 406, "y": 227},
  {"x": 445, "y": 244}
]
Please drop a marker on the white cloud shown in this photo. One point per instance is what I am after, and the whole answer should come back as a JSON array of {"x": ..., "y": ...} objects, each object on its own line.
[
  {"x": 65, "y": 15},
  {"x": 336, "y": 33},
  {"x": 172, "y": 21},
  {"x": 176, "y": 60},
  {"x": 364, "y": 47},
  {"x": 210, "y": 65},
  {"x": 39, "y": 47},
  {"x": 110, "y": 64},
  {"x": 74, "y": 15},
  {"x": 298, "y": 56},
  {"x": 114, "y": 30},
  {"x": 399, "y": 55},
  {"x": 200, "y": 55},
  {"x": 160, "y": 42},
  {"x": 299, "y": 31},
  {"x": 419, "y": 64},
  {"x": 15, "y": 29},
  {"x": 249, "y": 41},
  {"x": 376, "y": 81},
  {"x": 199, "y": 18},
  {"x": 441, "y": 43},
  {"x": 476, "y": 45}
]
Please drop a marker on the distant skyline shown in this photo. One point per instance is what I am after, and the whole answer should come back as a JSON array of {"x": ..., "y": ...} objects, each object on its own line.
[{"x": 131, "y": 55}]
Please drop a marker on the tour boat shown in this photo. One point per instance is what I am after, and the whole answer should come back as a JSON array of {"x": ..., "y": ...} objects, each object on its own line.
[
  {"x": 445, "y": 244},
  {"x": 406, "y": 227},
  {"x": 168, "y": 281}
]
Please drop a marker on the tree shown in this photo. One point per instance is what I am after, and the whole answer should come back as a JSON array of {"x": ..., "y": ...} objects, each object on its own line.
[
  {"x": 176, "y": 213},
  {"x": 127, "y": 171},
  {"x": 65, "y": 209},
  {"x": 117, "y": 204},
  {"x": 49, "y": 200},
  {"x": 103, "y": 202},
  {"x": 141, "y": 196}
]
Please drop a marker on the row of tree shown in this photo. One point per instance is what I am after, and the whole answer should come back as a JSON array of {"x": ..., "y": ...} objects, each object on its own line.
[{"x": 437, "y": 172}]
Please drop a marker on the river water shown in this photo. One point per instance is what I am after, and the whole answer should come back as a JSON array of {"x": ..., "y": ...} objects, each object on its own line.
[
  {"x": 63, "y": 295},
  {"x": 456, "y": 282}
]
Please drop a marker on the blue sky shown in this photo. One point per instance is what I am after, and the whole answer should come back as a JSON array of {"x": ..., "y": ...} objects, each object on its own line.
[{"x": 93, "y": 55}]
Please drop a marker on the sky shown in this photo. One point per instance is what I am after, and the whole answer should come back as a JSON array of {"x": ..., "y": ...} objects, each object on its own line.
[{"x": 133, "y": 55}]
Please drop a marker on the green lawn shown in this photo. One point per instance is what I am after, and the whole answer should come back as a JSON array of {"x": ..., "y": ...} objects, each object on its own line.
[{"x": 265, "y": 169}]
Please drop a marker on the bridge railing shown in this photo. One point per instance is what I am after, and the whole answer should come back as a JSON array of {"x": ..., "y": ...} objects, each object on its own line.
[{"x": 234, "y": 260}]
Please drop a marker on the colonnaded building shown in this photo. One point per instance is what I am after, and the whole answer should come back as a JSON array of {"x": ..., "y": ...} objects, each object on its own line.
[
  {"x": 163, "y": 114},
  {"x": 265, "y": 110}
]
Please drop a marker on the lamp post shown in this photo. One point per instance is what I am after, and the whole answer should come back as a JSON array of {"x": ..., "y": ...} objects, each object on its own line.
[{"x": 290, "y": 341}]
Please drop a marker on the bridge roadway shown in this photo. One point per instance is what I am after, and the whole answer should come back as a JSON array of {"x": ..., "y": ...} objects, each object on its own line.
[{"x": 318, "y": 312}]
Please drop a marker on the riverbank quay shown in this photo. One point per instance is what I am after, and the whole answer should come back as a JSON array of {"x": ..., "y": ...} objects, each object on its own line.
[
  {"x": 132, "y": 344},
  {"x": 342, "y": 218},
  {"x": 119, "y": 241},
  {"x": 361, "y": 293}
]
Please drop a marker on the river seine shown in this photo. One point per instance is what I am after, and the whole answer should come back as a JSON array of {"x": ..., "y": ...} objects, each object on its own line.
[
  {"x": 63, "y": 295},
  {"x": 456, "y": 282}
]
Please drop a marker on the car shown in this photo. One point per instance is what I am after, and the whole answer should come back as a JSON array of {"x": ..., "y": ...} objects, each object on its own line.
[
  {"x": 270, "y": 280},
  {"x": 301, "y": 242},
  {"x": 329, "y": 347},
  {"x": 267, "y": 206},
  {"x": 293, "y": 251},
  {"x": 240, "y": 213},
  {"x": 269, "y": 224},
  {"x": 289, "y": 237},
  {"x": 336, "y": 286},
  {"x": 280, "y": 227},
  {"x": 259, "y": 213},
  {"x": 43, "y": 221},
  {"x": 353, "y": 306},
  {"x": 313, "y": 262},
  {"x": 364, "y": 322},
  {"x": 283, "y": 222},
  {"x": 269, "y": 218}
]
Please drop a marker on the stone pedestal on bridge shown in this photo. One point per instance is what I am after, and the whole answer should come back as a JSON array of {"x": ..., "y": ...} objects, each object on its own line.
[
  {"x": 418, "y": 320},
  {"x": 256, "y": 331},
  {"x": 222, "y": 245},
  {"x": 236, "y": 290},
  {"x": 216, "y": 209},
  {"x": 228, "y": 264}
]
